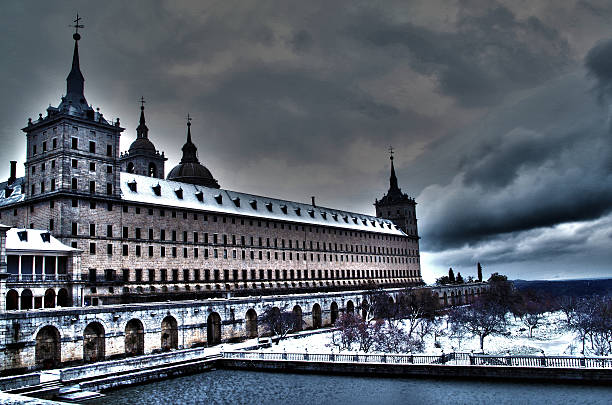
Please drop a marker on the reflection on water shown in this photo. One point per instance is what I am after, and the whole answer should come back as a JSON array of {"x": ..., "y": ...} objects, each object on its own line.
[{"x": 250, "y": 387}]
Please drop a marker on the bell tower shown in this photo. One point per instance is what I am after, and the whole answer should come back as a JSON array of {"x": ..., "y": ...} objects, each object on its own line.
[
  {"x": 401, "y": 209},
  {"x": 72, "y": 149},
  {"x": 142, "y": 158}
]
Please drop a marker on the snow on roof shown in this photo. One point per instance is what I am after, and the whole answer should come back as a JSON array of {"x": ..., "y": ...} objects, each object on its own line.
[
  {"x": 149, "y": 190},
  {"x": 34, "y": 239}
]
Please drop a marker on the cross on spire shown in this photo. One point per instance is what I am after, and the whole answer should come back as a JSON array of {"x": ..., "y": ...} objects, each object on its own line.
[
  {"x": 142, "y": 101},
  {"x": 391, "y": 151},
  {"x": 76, "y": 27},
  {"x": 188, "y": 119}
]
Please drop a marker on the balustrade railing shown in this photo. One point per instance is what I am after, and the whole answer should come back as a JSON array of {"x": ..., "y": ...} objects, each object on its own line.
[
  {"x": 37, "y": 278},
  {"x": 454, "y": 358}
]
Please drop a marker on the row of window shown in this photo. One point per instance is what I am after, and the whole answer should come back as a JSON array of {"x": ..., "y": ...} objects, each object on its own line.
[
  {"x": 74, "y": 185},
  {"x": 74, "y": 164},
  {"x": 74, "y": 145},
  {"x": 189, "y": 275},
  {"x": 242, "y": 241},
  {"x": 252, "y": 255}
]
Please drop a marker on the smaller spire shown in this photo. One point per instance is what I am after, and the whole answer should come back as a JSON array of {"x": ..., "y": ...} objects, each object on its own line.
[
  {"x": 189, "y": 129},
  {"x": 190, "y": 151},
  {"x": 142, "y": 131}
]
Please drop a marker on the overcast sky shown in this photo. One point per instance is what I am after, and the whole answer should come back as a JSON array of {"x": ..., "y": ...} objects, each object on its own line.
[{"x": 499, "y": 112}]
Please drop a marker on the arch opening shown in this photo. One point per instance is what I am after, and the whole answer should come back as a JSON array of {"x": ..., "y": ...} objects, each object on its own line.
[
  {"x": 169, "y": 333},
  {"x": 12, "y": 300},
  {"x": 47, "y": 352},
  {"x": 333, "y": 312},
  {"x": 316, "y": 316},
  {"x": 251, "y": 323},
  {"x": 94, "y": 344},
  {"x": 213, "y": 329},
  {"x": 134, "y": 338}
]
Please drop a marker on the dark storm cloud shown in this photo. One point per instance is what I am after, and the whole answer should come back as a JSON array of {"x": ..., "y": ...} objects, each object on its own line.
[
  {"x": 318, "y": 91},
  {"x": 599, "y": 63},
  {"x": 477, "y": 64},
  {"x": 523, "y": 179}
]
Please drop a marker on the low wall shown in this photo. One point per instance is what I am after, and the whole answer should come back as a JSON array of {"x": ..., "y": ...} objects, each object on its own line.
[
  {"x": 549, "y": 374},
  {"x": 19, "y": 381},
  {"x": 73, "y": 374},
  {"x": 145, "y": 376}
]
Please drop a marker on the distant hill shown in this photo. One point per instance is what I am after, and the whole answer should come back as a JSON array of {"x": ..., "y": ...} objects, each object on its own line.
[{"x": 576, "y": 287}]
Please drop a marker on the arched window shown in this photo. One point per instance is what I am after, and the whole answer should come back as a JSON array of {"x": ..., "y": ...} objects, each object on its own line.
[{"x": 130, "y": 167}]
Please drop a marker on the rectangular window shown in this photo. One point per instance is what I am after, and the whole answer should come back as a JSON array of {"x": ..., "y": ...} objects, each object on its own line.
[
  {"x": 109, "y": 249},
  {"x": 163, "y": 274},
  {"x": 138, "y": 251},
  {"x": 174, "y": 251},
  {"x": 74, "y": 228},
  {"x": 162, "y": 251},
  {"x": 162, "y": 234},
  {"x": 92, "y": 147},
  {"x": 109, "y": 188},
  {"x": 109, "y": 169},
  {"x": 52, "y": 184},
  {"x": 125, "y": 232},
  {"x": 109, "y": 150},
  {"x": 54, "y": 143},
  {"x": 51, "y": 224},
  {"x": 92, "y": 166},
  {"x": 137, "y": 233},
  {"x": 151, "y": 275},
  {"x": 92, "y": 248},
  {"x": 92, "y": 187},
  {"x": 92, "y": 229},
  {"x": 75, "y": 143},
  {"x": 138, "y": 274},
  {"x": 150, "y": 251},
  {"x": 195, "y": 237},
  {"x": 125, "y": 250}
]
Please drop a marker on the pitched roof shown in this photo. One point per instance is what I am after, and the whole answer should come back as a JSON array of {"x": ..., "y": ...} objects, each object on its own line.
[{"x": 193, "y": 197}]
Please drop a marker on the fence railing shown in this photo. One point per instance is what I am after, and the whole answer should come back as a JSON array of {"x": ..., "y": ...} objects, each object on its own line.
[
  {"x": 453, "y": 358},
  {"x": 38, "y": 277}
]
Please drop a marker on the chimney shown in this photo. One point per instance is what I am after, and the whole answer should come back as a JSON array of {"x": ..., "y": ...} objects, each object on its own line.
[
  {"x": 13, "y": 177},
  {"x": 313, "y": 201}
]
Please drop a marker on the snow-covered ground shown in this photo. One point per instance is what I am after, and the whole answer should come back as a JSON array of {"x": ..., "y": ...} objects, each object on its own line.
[{"x": 551, "y": 336}]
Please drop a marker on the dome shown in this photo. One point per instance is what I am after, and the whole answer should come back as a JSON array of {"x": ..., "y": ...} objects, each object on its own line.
[
  {"x": 193, "y": 173},
  {"x": 142, "y": 145},
  {"x": 190, "y": 170}
]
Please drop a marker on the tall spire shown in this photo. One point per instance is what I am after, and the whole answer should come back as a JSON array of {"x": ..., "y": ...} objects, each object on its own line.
[
  {"x": 142, "y": 130},
  {"x": 190, "y": 151},
  {"x": 393, "y": 179},
  {"x": 75, "y": 80}
]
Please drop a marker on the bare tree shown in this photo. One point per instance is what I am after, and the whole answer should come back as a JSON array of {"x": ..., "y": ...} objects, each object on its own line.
[
  {"x": 481, "y": 319},
  {"x": 279, "y": 322},
  {"x": 348, "y": 331},
  {"x": 567, "y": 304}
]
